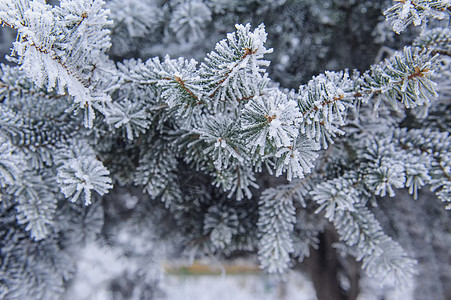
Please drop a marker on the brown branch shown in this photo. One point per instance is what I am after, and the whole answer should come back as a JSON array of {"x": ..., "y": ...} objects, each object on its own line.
[
  {"x": 448, "y": 177},
  {"x": 417, "y": 73},
  {"x": 324, "y": 103},
  {"x": 444, "y": 172},
  {"x": 4, "y": 23},
  {"x": 441, "y": 52},
  {"x": 45, "y": 51},
  {"x": 59, "y": 61},
  {"x": 270, "y": 118},
  {"x": 84, "y": 15},
  {"x": 247, "y": 52},
  {"x": 415, "y": 5},
  {"x": 182, "y": 84},
  {"x": 248, "y": 98}
]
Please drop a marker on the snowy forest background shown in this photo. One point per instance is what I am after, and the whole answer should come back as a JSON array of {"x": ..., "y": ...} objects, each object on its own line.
[{"x": 128, "y": 126}]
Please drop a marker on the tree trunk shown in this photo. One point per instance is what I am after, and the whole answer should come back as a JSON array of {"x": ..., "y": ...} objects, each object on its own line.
[{"x": 326, "y": 268}]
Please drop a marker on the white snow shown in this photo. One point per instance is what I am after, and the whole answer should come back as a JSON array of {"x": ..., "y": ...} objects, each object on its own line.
[
  {"x": 98, "y": 266},
  {"x": 238, "y": 287}
]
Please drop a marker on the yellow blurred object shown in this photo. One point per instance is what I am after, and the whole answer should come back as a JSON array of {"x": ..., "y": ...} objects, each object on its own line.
[{"x": 202, "y": 268}]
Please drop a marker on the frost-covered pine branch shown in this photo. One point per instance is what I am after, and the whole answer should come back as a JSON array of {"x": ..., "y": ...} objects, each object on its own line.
[
  {"x": 277, "y": 216},
  {"x": 276, "y": 222},
  {"x": 10, "y": 165},
  {"x": 79, "y": 171},
  {"x": 404, "y": 78},
  {"x": 62, "y": 47},
  {"x": 205, "y": 138},
  {"x": 416, "y": 12}
]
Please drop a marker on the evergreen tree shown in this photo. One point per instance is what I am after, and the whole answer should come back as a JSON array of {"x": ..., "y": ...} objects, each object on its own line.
[{"x": 229, "y": 160}]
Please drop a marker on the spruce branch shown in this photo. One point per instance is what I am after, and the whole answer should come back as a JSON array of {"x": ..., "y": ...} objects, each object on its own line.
[
  {"x": 236, "y": 180},
  {"x": 344, "y": 203},
  {"x": 324, "y": 102},
  {"x": 382, "y": 257},
  {"x": 132, "y": 116},
  {"x": 271, "y": 120},
  {"x": 335, "y": 195},
  {"x": 36, "y": 205},
  {"x": 32, "y": 269},
  {"x": 174, "y": 123},
  {"x": 77, "y": 176},
  {"x": 276, "y": 221},
  {"x": 48, "y": 46},
  {"x": 417, "y": 12},
  {"x": 156, "y": 172},
  {"x": 297, "y": 159},
  {"x": 13, "y": 83},
  {"x": 436, "y": 41},
  {"x": 277, "y": 216},
  {"x": 436, "y": 147},
  {"x": 235, "y": 66},
  {"x": 79, "y": 171},
  {"x": 221, "y": 224},
  {"x": 176, "y": 80},
  {"x": 403, "y": 78},
  {"x": 32, "y": 119},
  {"x": 11, "y": 164},
  {"x": 222, "y": 141}
]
